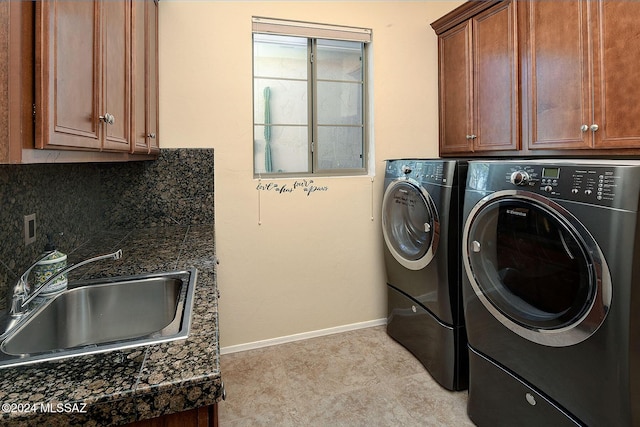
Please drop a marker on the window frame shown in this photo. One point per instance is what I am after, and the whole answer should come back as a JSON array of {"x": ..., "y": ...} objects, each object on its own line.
[{"x": 313, "y": 32}]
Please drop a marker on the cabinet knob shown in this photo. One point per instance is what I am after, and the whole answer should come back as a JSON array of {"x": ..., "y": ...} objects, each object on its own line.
[
  {"x": 584, "y": 128},
  {"x": 471, "y": 136},
  {"x": 594, "y": 127},
  {"x": 151, "y": 135},
  {"x": 108, "y": 118}
]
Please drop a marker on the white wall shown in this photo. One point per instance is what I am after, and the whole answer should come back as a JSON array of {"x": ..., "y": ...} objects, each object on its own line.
[{"x": 290, "y": 262}]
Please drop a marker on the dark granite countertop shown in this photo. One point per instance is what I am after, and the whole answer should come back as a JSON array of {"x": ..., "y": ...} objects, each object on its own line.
[{"x": 119, "y": 387}]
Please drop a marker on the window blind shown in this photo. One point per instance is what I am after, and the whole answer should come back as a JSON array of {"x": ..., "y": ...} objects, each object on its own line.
[{"x": 310, "y": 30}]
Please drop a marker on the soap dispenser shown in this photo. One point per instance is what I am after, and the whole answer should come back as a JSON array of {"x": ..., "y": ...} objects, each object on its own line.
[{"x": 47, "y": 267}]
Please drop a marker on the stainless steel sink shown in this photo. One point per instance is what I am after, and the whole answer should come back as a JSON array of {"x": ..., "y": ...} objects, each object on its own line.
[{"x": 103, "y": 315}]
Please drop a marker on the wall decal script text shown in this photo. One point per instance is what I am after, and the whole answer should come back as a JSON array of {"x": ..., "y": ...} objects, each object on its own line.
[{"x": 306, "y": 185}]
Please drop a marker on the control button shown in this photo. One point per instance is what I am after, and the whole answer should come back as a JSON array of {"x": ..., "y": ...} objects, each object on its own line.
[
  {"x": 519, "y": 178},
  {"x": 531, "y": 400},
  {"x": 587, "y": 192}
]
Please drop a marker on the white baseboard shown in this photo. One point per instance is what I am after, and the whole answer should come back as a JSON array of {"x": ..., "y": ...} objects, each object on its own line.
[{"x": 301, "y": 336}]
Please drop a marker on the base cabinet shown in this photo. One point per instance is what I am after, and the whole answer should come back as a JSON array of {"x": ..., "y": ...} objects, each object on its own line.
[{"x": 206, "y": 416}]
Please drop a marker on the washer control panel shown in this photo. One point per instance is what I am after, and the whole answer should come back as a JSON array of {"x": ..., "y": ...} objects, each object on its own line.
[
  {"x": 590, "y": 184},
  {"x": 423, "y": 171}
]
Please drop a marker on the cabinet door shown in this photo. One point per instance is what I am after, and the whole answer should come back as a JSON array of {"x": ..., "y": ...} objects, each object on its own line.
[
  {"x": 455, "y": 97},
  {"x": 558, "y": 93},
  {"x": 152, "y": 72},
  {"x": 479, "y": 85},
  {"x": 205, "y": 416},
  {"x": 616, "y": 46},
  {"x": 145, "y": 76},
  {"x": 5, "y": 55},
  {"x": 116, "y": 45},
  {"x": 139, "y": 76},
  {"x": 67, "y": 74},
  {"x": 496, "y": 80}
]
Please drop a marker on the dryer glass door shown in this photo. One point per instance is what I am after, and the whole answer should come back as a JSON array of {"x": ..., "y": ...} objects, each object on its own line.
[
  {"x": 409, "y": 223},
  {"x": 534, "y": 270}
]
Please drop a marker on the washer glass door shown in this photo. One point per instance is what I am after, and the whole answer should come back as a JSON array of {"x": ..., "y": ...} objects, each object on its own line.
[
  {"x": 536, "y": 268},
  {"x": 410, "y": 224}
]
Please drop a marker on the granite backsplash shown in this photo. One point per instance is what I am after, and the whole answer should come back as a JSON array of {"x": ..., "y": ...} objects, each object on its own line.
[{"x": 73, "y": 202}]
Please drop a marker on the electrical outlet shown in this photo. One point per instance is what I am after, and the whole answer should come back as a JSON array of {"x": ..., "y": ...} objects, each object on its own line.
[{"x": 29, "y": 229}]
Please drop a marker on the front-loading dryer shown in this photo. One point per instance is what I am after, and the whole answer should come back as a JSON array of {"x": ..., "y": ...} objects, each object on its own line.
[
  {"x": 551, "y": 253},
  {"x": 421, "y": 224}
]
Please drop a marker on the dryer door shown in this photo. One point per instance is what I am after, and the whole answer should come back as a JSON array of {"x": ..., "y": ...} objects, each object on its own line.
[
  {"x": 410, "y": 223},
  {"x": 536, "y": 268}
]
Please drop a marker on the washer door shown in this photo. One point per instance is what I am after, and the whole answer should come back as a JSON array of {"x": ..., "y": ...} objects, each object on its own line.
[
  {"x": 410, "y": 223},
  {"x": 536, "y": 268}
]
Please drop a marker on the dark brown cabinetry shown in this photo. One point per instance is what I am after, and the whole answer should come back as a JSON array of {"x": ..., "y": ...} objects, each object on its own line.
[
  {"x": 145, "y": 76},
  {"x": 478, "y": 71},
  {"x": 582, "y": 70},
  {"x": 16, "y": 93},
  {"x": 575, "y": 84},
  {"x": 82, "y": 79},
  {"x": 206, "y": 416},
  {"x": 69, "y": 81}
]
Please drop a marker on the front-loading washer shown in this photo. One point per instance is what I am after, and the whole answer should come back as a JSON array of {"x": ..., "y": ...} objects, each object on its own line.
[
  {"x": 551, "y": 253},
  {"x": 421, "y": 224}
]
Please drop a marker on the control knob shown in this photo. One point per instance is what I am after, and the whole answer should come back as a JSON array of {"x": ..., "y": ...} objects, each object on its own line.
[
  {"x": 519, "y": 178},
  {"x": 406, "y": 169}
]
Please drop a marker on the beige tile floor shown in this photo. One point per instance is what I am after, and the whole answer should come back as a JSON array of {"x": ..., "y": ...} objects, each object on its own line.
[{"x": 356, "y": 378}]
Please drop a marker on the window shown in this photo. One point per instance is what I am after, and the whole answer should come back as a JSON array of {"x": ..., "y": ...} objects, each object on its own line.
[{"x": 309, "y": 98}]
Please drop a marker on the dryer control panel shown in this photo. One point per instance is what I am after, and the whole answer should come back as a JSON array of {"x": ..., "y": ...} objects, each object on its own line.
[
  {"x": 595, "y": 183},
  {"x": 587, "y": 184}
]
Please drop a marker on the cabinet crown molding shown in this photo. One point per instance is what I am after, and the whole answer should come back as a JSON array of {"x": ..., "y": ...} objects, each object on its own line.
[{"x": 461, "y": 14}]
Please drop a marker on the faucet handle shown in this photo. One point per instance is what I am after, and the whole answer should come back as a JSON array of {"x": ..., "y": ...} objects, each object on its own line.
[{"x": 23, "y": 283}]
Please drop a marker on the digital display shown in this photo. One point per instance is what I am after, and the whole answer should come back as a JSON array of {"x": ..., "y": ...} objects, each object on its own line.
[{"x": 550, "y": 172}]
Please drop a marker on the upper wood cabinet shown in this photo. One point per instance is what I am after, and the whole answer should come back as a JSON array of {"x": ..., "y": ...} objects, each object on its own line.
[
  {"x": 145, "y": 76},
  {"x": 577, "y": 79},
  {"x": 582, "y": 71},
  {"x": 479, "y": 84},
  {"x": 67, "y": 78},
  {"x": 16, "y": 92},
  {"x": 83, "y": 84},
  {"x": 557, "y": 74}
]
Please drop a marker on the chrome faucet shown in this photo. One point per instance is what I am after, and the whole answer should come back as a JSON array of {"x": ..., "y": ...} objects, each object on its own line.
[{"x": 22, "y": 294}]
